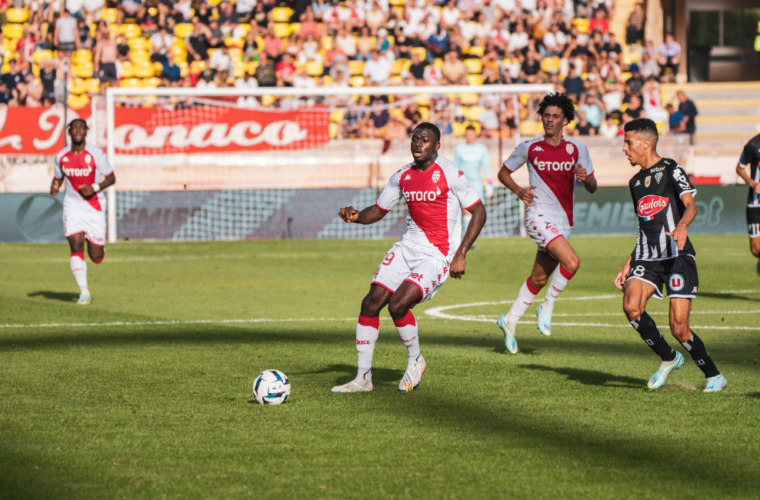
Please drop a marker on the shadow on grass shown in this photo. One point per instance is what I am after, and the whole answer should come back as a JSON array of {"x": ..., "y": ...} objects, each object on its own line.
[
  {"x": 591, "y": 377},
  {"x": 754, "y": 395},
  {"x": 51, "y": 295},
  {"x": 728, "y": 296}
]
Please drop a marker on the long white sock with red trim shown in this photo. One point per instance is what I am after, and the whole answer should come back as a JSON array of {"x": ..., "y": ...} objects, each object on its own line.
[
  {"x": 560, "y": 278},
  {"x": 79, "y": 269},
  {"x": 407, "y": 330},
  {"x": 367, "y": 331},
  {"x": 524, "y": 299}
]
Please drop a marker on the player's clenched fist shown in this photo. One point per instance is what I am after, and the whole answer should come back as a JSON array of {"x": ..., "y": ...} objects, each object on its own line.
[{"x": 348, "y": 214}]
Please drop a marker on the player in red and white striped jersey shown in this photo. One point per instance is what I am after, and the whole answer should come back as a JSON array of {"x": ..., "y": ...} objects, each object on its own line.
[
  {"x": 555, "y": 163},
  {"x": 86, "y": 172},
  {"x": 432, "y": 248}
]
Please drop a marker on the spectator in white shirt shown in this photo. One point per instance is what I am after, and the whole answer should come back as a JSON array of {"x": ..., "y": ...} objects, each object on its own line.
[{"x": 377, "y": 69}]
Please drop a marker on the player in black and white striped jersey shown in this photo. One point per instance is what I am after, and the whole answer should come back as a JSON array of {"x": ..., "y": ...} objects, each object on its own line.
[
  {"x": 663, "y": 197},
  {"x": 750, "y": 157}
]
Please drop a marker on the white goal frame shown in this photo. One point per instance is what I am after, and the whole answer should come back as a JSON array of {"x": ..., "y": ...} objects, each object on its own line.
[{"x": 114, "y": 93}]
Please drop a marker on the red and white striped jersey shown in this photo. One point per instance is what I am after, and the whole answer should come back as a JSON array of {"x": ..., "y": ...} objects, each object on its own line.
[
  {"x": 87, "y": 167},
  {"x": 551, "y": 171},
  {"x": 435, "y": 197}
]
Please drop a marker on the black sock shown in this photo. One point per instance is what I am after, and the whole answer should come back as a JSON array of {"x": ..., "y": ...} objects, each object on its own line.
[
  {"x": 699, "y": 354},
  {"x": 652, "y": 336}
]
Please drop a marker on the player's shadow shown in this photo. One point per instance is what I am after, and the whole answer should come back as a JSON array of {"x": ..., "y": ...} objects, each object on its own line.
[
  {"x": 755, "y": 395},
  {"x": 346, "y": 373},
  {"x": 49, "y": 294},
  {"x": 591, "y": 377},
  {"x": 727, "y": 296}
]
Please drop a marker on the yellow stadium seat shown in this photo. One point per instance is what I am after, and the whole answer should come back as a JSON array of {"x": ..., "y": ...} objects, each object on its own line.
[
  {"x": 425, "y": 113},
  {"x": 198, "y": 66},
  {"x": 81, "y": 55},
  {"x": 127, "y": 69},
  {"x": 472, "y": 113},
  {"x": 144, "y": 69},
  {"x": 474, "y": 79},
  {"x": 78, "y": 101},
  {"x": 232, "y": 41},
  {"x": 83, "y": 69},
  {"x": 76, "y": 86},
  {"x": 130, "y": 83},
  {"x": 151, "y": 82},
  {"x": 16, "y": 15},
  {"x": 130, "y": 30},
  {"x": 337, "y": 114},
  {"x": 139, "y": 43},
  {"x": 251, "y": 66},
  {"x": 327, "y": 42},
  {"x": 295, "y": 27},
  {"x": 92, "y": 85},
  {"x": 314, "y": 68},
  {"x": 400, "y": 65},
  {"x": 281, "y": 14},
  {"x": 40, "y": 55},
  {"x": 581, "y": 24},
  {"x": 397, "y": 3},
  {"x": 423, "y": 99},
  {"x": 179, "y": 52},
  {"x": 183, "y": 30},
  {"x": 475, "y": 50},
  {"x": 550, "y": 64},
  {"x": 268, "y": 100},
  {"x": 421, "y": 51},
  {"x": 13, "y": 31},
  {"x": 469, "y": 99},
  {"x": 438, "y": 62},
  {"x": 459, "y": 129},
  {"x": 332, "y": 130},
  {"x": 242, "y": 29},
  {"x": 184, "y": 69},
  {"x": 281, "y": 30},
  {"x": 109, "y": 15},
  {"x": 356, "y": 68},
  {"x": 530, "y": 128},
  {"x": 356, "y": 81},
  {"x": 473, "y": 65}
]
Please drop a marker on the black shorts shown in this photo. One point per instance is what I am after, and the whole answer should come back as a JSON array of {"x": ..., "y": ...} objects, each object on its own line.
[
  {"x": 107, "y": 72},
  {"x": 679, "y": 275},
  {"x": 753, "y": 221}
]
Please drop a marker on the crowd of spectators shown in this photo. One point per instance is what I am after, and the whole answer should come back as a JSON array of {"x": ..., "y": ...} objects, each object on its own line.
[{"x": 341, "y": 43}]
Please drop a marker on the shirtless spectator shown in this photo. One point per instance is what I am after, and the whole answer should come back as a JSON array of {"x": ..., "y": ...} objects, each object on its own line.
[
  {"x": 453, "y": 70},
  {"x": 104, "y": 58}
]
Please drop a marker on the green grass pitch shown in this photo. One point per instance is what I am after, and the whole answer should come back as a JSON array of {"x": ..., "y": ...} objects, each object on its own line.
[{"x": 147, "y": 392}]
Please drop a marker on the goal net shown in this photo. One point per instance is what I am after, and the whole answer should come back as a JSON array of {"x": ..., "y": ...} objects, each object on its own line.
[{"x": 263, "y": 163}]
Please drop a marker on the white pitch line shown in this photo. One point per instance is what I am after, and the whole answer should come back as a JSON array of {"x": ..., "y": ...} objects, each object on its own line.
[{"x": 175, "y": 322}]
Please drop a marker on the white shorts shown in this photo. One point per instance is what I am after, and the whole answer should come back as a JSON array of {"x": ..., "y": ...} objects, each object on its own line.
[
  {"x": 543, "y": 230},
  {"x": 90, "y": 222},
  {"x": 401, "y": 263}
]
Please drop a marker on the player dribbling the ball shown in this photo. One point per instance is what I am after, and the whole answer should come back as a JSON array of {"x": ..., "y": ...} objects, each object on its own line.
[{"x": 414, "y": 269}]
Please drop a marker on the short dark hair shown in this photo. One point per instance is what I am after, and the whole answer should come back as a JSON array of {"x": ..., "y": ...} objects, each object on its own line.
[
  {"x": 75, "y": 120},
  {"x": 430, "y": 126},
  {"x": 559, "y": 100},
  {"x": 470, "y": 127},
  {"x": 645, "y": 127}
]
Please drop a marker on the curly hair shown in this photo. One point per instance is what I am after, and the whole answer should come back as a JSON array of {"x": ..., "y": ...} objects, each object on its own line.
[{"x": 559, "y": 100}]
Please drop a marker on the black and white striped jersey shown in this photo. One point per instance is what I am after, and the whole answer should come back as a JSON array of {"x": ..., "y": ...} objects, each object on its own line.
[
  {"x": 751, "y": 156},
  {"x": 656, "y": 193}
]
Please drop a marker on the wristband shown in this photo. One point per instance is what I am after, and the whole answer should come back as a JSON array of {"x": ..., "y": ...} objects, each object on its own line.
[{"x": 96, "y": 187}]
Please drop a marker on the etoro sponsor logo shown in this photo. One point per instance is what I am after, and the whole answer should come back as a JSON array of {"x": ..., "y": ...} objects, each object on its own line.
[
  {"x": 650, "y": 205},
  {"x": 77, "y": 172},
  {"x": 422, "y": 195},
  {"x": 555, "y": 166}
]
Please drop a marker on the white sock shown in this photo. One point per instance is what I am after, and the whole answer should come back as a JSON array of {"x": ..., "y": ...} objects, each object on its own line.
[
  {"x": 79, "y": 269},
  {"x": 524, "y": 299},
  {"x": 407, "y": 330},
  {"x": 560, "y": 278},
  {"x": 367, "y": 331}
]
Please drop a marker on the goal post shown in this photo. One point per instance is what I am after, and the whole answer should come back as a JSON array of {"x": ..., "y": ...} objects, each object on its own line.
[{"x": 225, "y": 155}]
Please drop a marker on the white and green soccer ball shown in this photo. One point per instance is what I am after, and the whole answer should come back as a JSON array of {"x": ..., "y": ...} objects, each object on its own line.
[{"x": 271, "y": 387}]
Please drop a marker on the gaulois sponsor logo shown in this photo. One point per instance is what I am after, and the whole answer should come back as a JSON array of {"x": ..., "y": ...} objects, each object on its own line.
[{"x": 648, "y": 206}]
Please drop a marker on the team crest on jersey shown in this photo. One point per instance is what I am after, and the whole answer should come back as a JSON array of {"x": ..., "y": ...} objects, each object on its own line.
[
  {"x": 676, "y": 282},
  {"x": 569, "y": 148},
  {"x": 87, "y": 159},
  {"x": 648, "y": 181},
  {"x": 436, "y": 176},
  {"x": 658, "y": 177}
]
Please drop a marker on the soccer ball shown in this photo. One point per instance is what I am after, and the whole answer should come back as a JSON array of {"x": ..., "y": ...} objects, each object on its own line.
[{"x": 271, "y": 387}]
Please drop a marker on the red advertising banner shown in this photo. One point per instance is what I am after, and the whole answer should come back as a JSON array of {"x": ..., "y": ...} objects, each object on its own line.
[{"x": 204, "y": 129}]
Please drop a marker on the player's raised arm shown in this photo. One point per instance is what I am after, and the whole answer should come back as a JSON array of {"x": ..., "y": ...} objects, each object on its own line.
[
  {"x": 369, "y": 215},
  {"x": 459, "y": 263}
]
